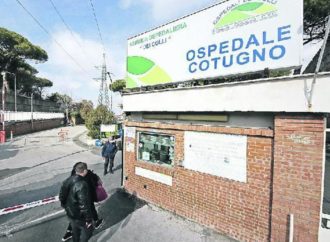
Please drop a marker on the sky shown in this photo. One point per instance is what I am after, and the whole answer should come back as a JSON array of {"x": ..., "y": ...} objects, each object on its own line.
[
  {"x": 76, "y": 46},
  {"x": 73, "y": 70}
]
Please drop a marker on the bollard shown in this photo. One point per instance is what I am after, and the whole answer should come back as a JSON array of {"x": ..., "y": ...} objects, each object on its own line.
[
  {"x": 2, "y": 136},
  {"x": 11, "y": 135}
]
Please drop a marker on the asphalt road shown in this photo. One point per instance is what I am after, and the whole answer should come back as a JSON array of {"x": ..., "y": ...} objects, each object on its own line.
[
  {"x": 33, "y": 168},
  {"x": 117, "y": 208}
]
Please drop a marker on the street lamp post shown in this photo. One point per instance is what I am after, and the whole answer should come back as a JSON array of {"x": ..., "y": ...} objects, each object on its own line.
[
  {"x": 15, "y": 92},
  {"x": 15, "y": 89},
  {"x": 32, "y": 111},
  {"x": 3, "y": 98}
]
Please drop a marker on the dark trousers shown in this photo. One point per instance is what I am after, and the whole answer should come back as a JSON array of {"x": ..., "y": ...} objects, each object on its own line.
[
  {"x": 94, "y": 213},
  {"x": 108, "y": 160},
  {"x": 80, "y": 233}
]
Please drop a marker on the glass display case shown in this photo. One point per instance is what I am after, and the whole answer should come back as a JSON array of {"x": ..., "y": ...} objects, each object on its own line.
[{"x": 155, "y": 148}]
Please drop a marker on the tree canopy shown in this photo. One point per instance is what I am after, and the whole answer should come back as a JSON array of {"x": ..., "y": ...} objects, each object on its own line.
[
  {"x": 118, "y": 85},
  {"x": 85, "y": 108},
  {"x": 315, "y": 19},
  {"x": 100, "y": 115},
  {"x": 15, "y": 51},
  {"x": 15, "y": 47},
  {"x": 63, "y": 99}
]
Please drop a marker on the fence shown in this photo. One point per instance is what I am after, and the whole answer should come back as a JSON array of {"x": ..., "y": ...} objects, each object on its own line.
[
  {"x": 23, "y": 104},
  {"x": 9, "y": 116}
]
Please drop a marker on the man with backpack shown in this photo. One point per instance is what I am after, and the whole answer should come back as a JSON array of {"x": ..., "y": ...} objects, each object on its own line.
[{"x": 109, "y": 150}]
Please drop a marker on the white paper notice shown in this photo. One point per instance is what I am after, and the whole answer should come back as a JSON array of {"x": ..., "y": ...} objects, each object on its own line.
[
  {"x": 217, "y": 154},
  {"x": 130, "y": 132},
  {"x": 130, "y": 147}
]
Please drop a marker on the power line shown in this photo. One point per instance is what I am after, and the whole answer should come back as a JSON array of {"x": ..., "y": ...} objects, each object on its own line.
[
  {"x": 103, "y": 95},
  {"x": 71, "y": 32},
  {"x": 97, "y": 24},
  {"x": 44, "y": 29}
]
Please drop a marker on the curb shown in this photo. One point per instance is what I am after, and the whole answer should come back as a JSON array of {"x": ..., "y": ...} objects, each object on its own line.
[{"x": 82, "y": 144}]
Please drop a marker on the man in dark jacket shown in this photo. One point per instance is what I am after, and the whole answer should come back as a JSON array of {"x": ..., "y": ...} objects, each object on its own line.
[
  {"x": 109, "y": 150},
  {"x": 92, "y": 180},
  {"x": 76, "y": 200}
]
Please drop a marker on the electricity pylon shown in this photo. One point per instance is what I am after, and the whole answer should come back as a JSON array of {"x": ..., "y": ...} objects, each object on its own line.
[{"x": 104, "y": 94}]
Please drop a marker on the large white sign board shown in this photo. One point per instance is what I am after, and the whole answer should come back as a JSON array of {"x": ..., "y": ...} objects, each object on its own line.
[
  {"x": 236, "y": 36},
  {"x": 216, "y": 154}
]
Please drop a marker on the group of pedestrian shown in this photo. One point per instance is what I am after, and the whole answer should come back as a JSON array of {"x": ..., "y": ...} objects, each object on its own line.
[{"x": 78, "y": 194}]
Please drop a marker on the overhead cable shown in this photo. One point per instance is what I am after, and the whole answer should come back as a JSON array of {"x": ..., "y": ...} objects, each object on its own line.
[
  {"x": 97, "y": 24},
  {"x": 45, "y": 30},
  {"x": 71, "y": 32}
]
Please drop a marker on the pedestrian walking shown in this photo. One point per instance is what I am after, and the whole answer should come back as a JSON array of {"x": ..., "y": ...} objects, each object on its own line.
[
  {"x": 76, "y": 199},
  {"x": 92, "y": 180},
  {"x": 109, "y": 150}
]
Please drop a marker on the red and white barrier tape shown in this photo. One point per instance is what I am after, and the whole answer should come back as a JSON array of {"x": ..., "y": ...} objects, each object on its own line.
[{"x": 20, "y": 207}]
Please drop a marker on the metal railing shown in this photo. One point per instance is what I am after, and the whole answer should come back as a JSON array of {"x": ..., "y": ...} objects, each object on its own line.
[{"x": 24, "y": 116}]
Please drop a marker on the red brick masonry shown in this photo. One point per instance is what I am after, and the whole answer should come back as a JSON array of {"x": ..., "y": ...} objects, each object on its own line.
[
  {"x": 289, "y": 182},
  {"x": 25, "y": 127},
  {"x": 298, "y": 155},
  {"x": 240, "y": 210}
]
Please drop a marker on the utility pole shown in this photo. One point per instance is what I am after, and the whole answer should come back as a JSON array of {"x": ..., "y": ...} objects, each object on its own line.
[
  {"x": 15, "y": 88},
  {"x": 32, "y": 110},
  {"x": 4, "y": 85}
]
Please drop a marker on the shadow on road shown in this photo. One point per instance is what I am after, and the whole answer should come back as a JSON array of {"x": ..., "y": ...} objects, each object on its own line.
[
  {"x": 118, "y": 167},
  {"x": 9, "y": 172},
  {"x": 8, "y": 150},
  {"x": 119, "y": 207}
]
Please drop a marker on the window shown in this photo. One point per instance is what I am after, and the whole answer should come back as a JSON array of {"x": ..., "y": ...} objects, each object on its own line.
[{"x": 156, "y": 148}]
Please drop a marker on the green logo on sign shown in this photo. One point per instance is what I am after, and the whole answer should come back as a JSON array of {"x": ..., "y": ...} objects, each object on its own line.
[
  {"x": 142, "y": 72},
  {"x": 244, "y": 12}
]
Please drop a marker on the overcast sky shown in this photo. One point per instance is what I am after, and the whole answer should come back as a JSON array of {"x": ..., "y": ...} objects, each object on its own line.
[{"x": 72, "y": 69}]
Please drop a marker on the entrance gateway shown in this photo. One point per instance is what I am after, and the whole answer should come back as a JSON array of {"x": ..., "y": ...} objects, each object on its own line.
[{"x": 244, "y": 158}]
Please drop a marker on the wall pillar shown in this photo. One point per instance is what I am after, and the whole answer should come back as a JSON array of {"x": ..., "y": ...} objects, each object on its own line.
[{"x": 297, "y": 186}]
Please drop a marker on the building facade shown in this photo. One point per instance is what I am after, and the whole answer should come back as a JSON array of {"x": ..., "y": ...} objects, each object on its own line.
[{"x": 247, "y": 159}]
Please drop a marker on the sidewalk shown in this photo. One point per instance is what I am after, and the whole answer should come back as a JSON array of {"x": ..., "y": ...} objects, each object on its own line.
[
  {"x": 152, "y": 224},
  {"x": 127, "y": 219}
]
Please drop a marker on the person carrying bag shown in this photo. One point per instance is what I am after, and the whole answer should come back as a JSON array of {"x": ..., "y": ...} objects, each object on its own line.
[{"x": 93, "y": 182}]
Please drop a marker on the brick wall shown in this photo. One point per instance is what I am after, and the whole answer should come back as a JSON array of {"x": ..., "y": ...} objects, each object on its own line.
[
  {"x": 240, "y": 210},
  {"x": 25, "y": 127},
  {"x": 298, "y": 159}
]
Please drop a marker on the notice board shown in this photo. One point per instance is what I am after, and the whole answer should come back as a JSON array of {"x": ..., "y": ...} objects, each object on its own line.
[{"x": 221, "y": 155}]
